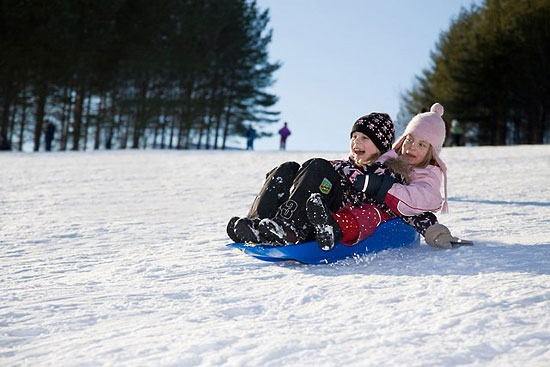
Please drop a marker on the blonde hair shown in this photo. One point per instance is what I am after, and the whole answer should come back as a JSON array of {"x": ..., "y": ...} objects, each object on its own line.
[
  {"x": 371, "y": 159},
  {"x": 428, "y": 159}
]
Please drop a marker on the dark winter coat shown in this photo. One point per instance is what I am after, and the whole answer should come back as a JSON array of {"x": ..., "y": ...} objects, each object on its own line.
[{"x": 347, "y": 169}]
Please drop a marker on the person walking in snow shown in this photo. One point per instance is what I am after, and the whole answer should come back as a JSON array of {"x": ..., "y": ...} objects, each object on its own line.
[
  {"x": 4, "y": 142},
  {"x": 250, "y": 136},
  {"x": 456, "y": 133},
  {"x": 49, "y": 131},
  {"x": 284, "y": 132}
]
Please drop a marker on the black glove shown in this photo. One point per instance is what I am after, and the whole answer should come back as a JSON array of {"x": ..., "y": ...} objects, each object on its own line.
[{"x": 375, "y": 185}]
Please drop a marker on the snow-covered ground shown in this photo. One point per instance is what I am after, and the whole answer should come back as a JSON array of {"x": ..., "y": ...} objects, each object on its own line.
[{"x": 119, "y": 259}]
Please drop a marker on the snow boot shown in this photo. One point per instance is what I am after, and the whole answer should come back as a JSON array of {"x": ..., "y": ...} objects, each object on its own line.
[
  {"x": 230, "y": 229},
  {"x": 276, "y": 233},
  {"x": 327, "y": 230},
  {"x": 246, "y": 230}
]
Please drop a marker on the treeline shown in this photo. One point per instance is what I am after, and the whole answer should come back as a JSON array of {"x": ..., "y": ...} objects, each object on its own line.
[
  {"x": 491, "y": 71},
  {"x": 133, "y": 73}
]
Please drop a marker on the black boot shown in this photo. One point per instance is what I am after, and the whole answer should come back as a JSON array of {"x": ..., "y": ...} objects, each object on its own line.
[
  {"x": 327, "y": 230},
  {"x": 276, "y": 233},
  {"x": 231, "y": 229},
  {"x": 246, "y": 230}
]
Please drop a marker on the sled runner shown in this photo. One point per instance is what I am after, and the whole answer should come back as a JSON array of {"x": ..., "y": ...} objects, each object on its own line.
[{"x": 391, "y": 234}]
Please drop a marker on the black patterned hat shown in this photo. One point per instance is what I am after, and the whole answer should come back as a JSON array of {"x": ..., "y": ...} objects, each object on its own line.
[{"x": 378, "y": 127}]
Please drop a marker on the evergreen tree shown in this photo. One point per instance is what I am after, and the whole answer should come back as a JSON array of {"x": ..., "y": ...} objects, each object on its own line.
[
  {"x": 490, "y": 70},
  {"x": 127, "y": 73}
]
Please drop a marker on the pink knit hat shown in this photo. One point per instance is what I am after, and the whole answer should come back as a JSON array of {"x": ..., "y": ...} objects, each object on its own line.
[{"x": 429, "y": 126}]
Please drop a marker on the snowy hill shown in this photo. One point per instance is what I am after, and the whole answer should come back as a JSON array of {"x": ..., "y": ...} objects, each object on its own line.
[{"x": 119, "y": 259}]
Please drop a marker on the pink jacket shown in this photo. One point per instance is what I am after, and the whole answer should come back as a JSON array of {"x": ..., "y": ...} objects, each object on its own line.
[{"x": 421, "y": 195}]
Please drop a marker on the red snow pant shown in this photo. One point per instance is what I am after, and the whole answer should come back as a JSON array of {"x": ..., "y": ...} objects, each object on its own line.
[{"x": 358, "y": 223}]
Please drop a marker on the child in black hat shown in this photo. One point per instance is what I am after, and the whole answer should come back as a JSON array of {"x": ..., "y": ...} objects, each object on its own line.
[{"x": 279, "y": 214}]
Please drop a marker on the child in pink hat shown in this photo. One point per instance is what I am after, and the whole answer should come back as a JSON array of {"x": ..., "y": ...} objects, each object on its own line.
[
  {"x": 416, "y": 155},
  {"x": 420, "y": 146}
]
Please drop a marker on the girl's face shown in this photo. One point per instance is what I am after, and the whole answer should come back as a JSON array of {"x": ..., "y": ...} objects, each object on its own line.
[
  {"x": 362, "y": 149},
  {"x": 414, "y": 150}
]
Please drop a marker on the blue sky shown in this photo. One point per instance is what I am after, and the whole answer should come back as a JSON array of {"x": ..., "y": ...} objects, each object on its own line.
[{"x": 344, "y": 59}]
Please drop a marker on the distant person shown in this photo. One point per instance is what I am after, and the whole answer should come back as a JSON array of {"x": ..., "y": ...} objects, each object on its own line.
[
  {"x": 4, "y": 142},
  {"x": 284, "y": 132},
  {"x": 250, "y": 136},
  {"x": 456, "y": 133},
  {"x": 49, "y": 131}
]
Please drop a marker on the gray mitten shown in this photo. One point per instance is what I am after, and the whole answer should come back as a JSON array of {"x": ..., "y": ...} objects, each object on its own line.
[{"x": 437, "y": 235}]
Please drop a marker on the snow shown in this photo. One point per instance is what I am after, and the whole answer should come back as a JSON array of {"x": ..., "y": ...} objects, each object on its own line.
[{"x": 119, "y": 259}]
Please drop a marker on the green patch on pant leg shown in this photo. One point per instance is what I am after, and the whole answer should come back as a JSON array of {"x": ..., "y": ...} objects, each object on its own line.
[{"x": 325, "y": 186}]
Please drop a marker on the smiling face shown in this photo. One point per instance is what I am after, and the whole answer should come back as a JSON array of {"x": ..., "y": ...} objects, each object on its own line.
[
  {"x": 414, "y": 150},
  {"x": 362, "y": 149}
]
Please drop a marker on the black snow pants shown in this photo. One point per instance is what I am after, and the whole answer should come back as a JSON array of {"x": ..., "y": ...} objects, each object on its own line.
[
  {"x": 287, "y": 188},
  {"x": 314, "y": 176},
  {"x": 275, "y": 191}
]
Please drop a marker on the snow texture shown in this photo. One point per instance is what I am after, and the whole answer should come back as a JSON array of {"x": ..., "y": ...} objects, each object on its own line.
[{"x": 119, "y": 259}]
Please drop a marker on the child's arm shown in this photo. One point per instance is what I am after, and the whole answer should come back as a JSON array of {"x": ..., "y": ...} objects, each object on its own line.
[
  {"x": 435, "y": 233},
  {"x": 421, "y": 195}
]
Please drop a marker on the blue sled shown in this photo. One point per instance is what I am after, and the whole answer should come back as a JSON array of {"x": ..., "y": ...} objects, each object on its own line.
[{"x": 391, "y": 234}]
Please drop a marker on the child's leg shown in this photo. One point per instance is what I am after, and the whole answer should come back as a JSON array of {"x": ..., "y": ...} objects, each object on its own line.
[
  {"x": 315, "y": 176},
  {"x": 348, "y": 225},
  {"x": 358, "y": 223},
  {"x": 275, "y": 191},
  {"x": 327, "y": 230}
]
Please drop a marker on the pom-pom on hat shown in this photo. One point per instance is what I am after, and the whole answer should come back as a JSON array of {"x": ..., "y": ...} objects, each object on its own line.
[
  {"x": 429, "y": 126},
  {"x": 378, "y": 126}
]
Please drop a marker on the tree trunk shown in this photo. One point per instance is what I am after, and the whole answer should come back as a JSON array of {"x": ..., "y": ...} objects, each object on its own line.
[
  {"x": 99, "y": 120},
  {"x": 65, "y": 118},
  {"x": 39, "y": 114},
  {"x": 6, "y": 109},
  {"x": 79, "y": 103},
  {"x": 226, "y": 127},
  {"x": 187, "y": 139},
  {"x": 172, "y": 131},
  {"x": 219, "y": 112},
  {"x": 140, "y": 121},
  {"x": 163, "y": 130},
  {"x": 23, "y": 119},
  {"x": 87, "y": 122},
  {"x": 183, "y": 132},
  {"x": 111, "y": 130},
  {"x": 11, "y": 127},
  {"x": 538, "y": 126}
]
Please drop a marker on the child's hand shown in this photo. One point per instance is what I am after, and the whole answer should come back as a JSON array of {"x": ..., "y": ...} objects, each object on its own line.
[
  {"x": 375, "y": 185},
  {"x": 437, "y": 235}
]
